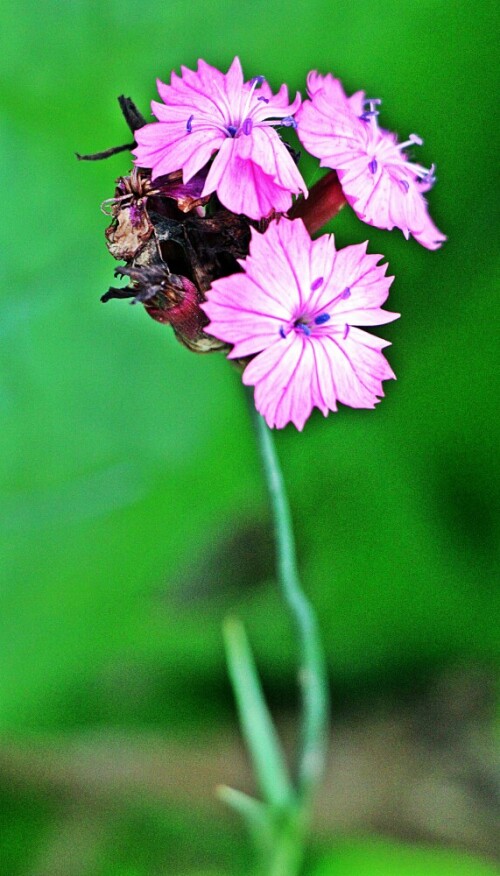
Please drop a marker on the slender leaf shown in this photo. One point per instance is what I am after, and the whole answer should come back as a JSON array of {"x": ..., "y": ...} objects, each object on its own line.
[{"x": 256, "y": 722}]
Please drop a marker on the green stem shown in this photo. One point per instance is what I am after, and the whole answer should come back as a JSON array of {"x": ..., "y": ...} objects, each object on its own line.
[{"x": 312, "y": 669}]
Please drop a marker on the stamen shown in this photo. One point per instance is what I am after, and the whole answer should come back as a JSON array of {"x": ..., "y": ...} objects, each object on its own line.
[
  {"x": 254, "y": 83},
  {"x": 282, "y": 332},
  {"x": 322, "y": 318},
  {"x": 372, "y": 167},
  {"x": 231, "y": 130},
  {"x": 371, "y": 113},
  {"x": 346, "y": 293},
  {"x": 413, "y": 140},
  {"x": 289, "y": 122},
  {"x": 405, "y": 185},
  {"x": 189, "y": 124},
  {"x": 263, "y": 99},
  {"x": 346, "y": 331},
  {"x": 429, "y": 176},
  {"x": 316, "y": 284},
  {"x": 247, "y": 126}
]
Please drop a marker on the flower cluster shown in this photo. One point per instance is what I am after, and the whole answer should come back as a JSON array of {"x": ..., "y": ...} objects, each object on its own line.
[{"x": 215, "y": 222}]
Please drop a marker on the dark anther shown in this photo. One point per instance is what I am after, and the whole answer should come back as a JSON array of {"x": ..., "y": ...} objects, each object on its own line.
[{"x": 131, "y": 114}]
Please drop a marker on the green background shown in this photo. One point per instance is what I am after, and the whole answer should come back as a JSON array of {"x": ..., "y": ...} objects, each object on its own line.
[{"x": 133, "y": 515}]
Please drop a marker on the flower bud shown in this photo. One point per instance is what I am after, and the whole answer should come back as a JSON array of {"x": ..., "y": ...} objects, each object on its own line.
[{"x": 170, "y": 299}]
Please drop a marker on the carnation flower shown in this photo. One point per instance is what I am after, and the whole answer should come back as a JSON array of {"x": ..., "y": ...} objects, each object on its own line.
[
  {"x": 379, "y": 181},
  {"x": 208, "y": 112},
  {"x": 295, "y": 310}
]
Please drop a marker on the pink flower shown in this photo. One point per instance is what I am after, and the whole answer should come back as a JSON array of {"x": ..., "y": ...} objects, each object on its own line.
[
  {"x": 294, "y": 310},
  {"x": 380, "y": 183},
  {"x": 208, "y": 112}
]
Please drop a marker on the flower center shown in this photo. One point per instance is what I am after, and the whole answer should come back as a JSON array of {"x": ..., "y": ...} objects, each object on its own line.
[
  {"x": 304, "y": 324},
  {"x": 245, "y": 128},
  {"x": 237, "y": 115}
]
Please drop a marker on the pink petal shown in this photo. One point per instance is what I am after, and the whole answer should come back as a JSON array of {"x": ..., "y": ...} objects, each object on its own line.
[
  {"x": 243, "y": 291},
  {"x": 430, "y": 236},
  {"x": 242, "y": 186},
  {"x": 322, "y": 260},
  {"x": 349, "y": 386},
  {"x": 278, "y": 100},
  {"x": 279, "y": 261},
  {"x": 193, "y": 87},
  {"x": 324, "y": 384},
  {"x": 386, "y": 204},
  {"x": 270, "y": 153},
  {"x": 234, "y": 78},
  {"x": 315, "y": 82},
  {"x": 347, "y": 268},
  {"x": 282, "y": 386},
  {"x": 167, "y": 148},
  {"x": 334, "y": 93},
  {"x": 333, "y": 138},
  {"x": 241, "y": 313}
]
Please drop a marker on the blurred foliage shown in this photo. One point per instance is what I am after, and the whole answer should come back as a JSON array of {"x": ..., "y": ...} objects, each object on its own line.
[
  {"x": 382, "y": 858},
  {"x": 127, "y": 462}
]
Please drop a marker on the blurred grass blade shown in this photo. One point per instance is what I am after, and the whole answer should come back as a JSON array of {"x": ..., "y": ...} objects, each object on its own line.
[
  {"x": 256, "y": 723},
  {"x": 254, "y": 813}
]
